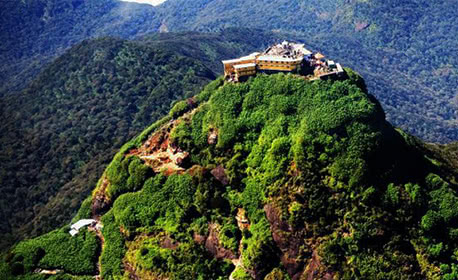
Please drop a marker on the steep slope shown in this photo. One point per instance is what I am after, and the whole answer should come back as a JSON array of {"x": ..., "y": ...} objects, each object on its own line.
[
  {"x": 275, "y": 178},
  {"x": 58, "y": 133}
]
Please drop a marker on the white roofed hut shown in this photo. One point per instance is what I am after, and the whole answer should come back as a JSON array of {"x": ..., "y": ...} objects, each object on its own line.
[{"x": 74, "y": 229}]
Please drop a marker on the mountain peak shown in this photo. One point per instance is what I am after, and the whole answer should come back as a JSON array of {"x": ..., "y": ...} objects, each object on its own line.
[
  {"x": 277, "y": 177},
  {"x": 285, "y": 57}
]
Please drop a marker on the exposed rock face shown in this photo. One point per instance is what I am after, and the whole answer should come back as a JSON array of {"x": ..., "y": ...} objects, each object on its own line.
[
  {"x": 314, "y": 269},
  {"x": 100, "y": 202},
  {"x": 220, "y": 174},
  {"x": 290, "y": 241},
  {"x": 199, "y": 239},
  {"x": 160, "y": 154},
  {"x": 169, "y": 243},
  {"x": 213, "y": 245},
  {"x": 192, "y": 103},
  {"x": 212, "y": 137},
  {"x": 242, "y": 221}
]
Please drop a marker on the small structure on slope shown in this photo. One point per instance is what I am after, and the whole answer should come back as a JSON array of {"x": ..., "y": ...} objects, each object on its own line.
[
  {"x": 74, "y": 229},
  {"x": 285, "y": 57}
]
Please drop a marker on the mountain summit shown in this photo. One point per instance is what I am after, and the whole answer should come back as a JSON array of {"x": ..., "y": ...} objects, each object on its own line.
[{"x": 273, "y": 178}]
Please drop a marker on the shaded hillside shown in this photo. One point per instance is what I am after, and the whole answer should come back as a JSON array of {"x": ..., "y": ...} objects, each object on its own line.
[
  {"x": 275, "y": 178},
  {"x": 34, "y": 32},
  {"x": 212, "y": 48},
  {"x": 60, "y": 131}
]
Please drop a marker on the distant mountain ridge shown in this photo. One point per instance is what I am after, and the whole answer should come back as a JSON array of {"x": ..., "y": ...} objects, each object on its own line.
[
  {"x": 34, "y": 32},
  {"x": 405, "y": 49}
]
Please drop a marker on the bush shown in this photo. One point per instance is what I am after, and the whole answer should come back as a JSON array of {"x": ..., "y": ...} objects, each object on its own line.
[
  {"x": 58, "y": 249},
  {"x": 179, "y": 109},
  {"x": 241, "y": 274}
]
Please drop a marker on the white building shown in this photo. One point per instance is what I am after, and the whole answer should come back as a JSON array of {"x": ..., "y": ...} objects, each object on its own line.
[{"x": 74, "y": 229}]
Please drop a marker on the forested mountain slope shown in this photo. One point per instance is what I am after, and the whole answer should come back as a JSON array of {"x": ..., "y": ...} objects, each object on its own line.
[
  {"x": 59, "y": 132},
  {"x": 34, "y": 32},
  {"x": 275, "y": 178}
]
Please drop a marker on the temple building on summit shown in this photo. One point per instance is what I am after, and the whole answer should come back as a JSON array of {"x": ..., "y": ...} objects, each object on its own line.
[{"x": 285, "y": 57}]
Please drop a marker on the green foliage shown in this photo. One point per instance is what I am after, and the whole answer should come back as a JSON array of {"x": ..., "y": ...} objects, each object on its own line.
[
  {"x": 430, "y": 220},
  {"x": 442, "y": 204},
  {"x": 127, "y": 175},
  {"x": 164, "y": 202},
  {"x": 240, "y": 274},
  {"x": 113, "y": 253},
  {"x": 414, "y": 192},
  {"x": 259, "y": 250},
  {"x": 138, "y": 174},
  {"x": 229, "y": 236},
  {"x": 56, "y": 250},
  {"x": 83, "y": 106},
  {"x": 392, "y": 195},
  {"x": 317, "y": 172},
  {"x": 179, "y": 109},
  {"x": 415, "y": 88},
  {"x": 420, "y": 84},
  {"x": 340, "y": 155},
  {"x": 277, "y": 274},
  {"x": 187, "y": 261},
  {"x": 74, "y": 116}
]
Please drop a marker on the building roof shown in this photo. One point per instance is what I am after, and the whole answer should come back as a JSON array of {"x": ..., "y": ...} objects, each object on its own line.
[
  {"x": 279, "y": 58},
  {"x": 82, "y": 223},
  {"x": 251, "y": 56},
  {"x": 339, "y": 67},
  {"x": 306, "y": 52},
  {"x": 229, "y": 61},
  {"x": 246, "y": 65},
  {"x": 319, "y": 55},
  {"x": 288, "y": 48}
]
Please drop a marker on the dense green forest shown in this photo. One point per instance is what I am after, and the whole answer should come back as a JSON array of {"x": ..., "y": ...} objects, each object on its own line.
[
  {"x": 58, "y": 134},
  {"x": 34, "y": 32},
  {"x": 405, "y": 49},
  {"x": 278, "y": 178}
]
